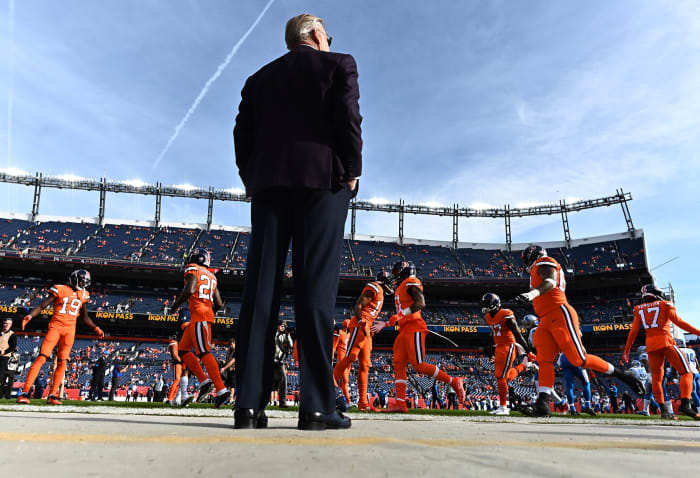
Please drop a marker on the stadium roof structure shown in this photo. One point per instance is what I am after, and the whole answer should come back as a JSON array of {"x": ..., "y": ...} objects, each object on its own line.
[{"x": 158, "y": 190}]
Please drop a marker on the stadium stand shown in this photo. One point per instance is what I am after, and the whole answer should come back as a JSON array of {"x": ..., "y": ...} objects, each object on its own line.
[
  {"x": 169, "y": 245},
  {"x": 219, "y": 243},
  {"x": 54, "y": 237},
  {"x": 116, "y": 241}
]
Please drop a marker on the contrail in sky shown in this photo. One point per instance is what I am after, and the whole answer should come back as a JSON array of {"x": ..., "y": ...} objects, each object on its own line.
[
  {"x": 11, "y": 69},
  {"x": 219, "y": 70}
]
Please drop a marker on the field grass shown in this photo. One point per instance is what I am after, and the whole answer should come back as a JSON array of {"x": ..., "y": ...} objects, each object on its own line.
[{"x": 433, "y": 412}]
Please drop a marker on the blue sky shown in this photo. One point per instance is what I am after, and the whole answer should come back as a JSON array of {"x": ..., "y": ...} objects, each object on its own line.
[{"x": 463, "y": 102}]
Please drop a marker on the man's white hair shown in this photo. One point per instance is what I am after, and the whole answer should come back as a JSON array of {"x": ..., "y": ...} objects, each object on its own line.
[{"x": 299, "y": 28}]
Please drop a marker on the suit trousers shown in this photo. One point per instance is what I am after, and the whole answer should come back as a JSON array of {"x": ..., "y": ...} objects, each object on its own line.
[{"x": 314, "y": 220}]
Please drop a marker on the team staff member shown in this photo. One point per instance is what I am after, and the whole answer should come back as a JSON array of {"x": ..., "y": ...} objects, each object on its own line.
[
  {"x": 8, "y": 346},
  {"x": 299, "y": 153},
  {"x": 202, "y": 296},
  {"x": 656, "y": 315},
  {"x": 69, "y": 302}
]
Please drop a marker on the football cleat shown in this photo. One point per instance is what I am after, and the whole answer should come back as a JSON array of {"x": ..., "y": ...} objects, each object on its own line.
[
  {"x": 589, "y": 411},
  {"x": 221, "y": 398},
  {"x": 52, "y": 400},
  {"x": 531, "y": 254},
  {"x": 395, "y": 408},
  {"x": 630, "y": 379},
  {"x": 490, "y": 303},
  {"x": 643, "y": 412},
  {"x": 501, "y": 411},
  {"x": 574, "y": 413},
  {"x": 23, "y": 399},
  {"x": 541, "y": 406},
  {"x": 187, "y": 400},
  {"x": 204, "y": 390},
  {"x": 80, "y": 279},
  {"x": 687, "y": 410},
  {"x": 668, "y": 416},
  {"x": 363, "y": 407}
]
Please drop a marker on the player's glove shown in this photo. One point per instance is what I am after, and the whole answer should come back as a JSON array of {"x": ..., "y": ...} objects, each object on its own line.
[
  {"x": 526, "y": 297},
  {"x": 26, "y": 320},
  {"x": 98, "y": 331},
  {"x": 531, "y": 357}
]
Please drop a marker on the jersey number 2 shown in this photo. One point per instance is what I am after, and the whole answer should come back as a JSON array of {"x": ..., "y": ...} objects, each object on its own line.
[{"x": 207, "y": 287}]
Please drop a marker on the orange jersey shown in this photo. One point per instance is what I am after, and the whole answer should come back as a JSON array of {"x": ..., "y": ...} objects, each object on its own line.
[
  {"x": 501, "y": 332},
  {"x": 402, "y": 299},
  {"x": 554, "y": 298},
  {"x": 340, "y": 342},
  {"x": 202, "y": 300},
  {"x": 66, "y": 305},
  {"x": 656, "y": 318},
  {"x": 374, "y": 306}
]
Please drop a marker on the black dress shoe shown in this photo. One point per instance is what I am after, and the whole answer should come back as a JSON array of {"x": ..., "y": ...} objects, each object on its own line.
[
  {"x": 323, "y": 421},
  {"x": 249, "y": 418}
]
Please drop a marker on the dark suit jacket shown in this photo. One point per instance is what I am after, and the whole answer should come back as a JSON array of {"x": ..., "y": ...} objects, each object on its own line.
[{"x": 298, "y": 123}]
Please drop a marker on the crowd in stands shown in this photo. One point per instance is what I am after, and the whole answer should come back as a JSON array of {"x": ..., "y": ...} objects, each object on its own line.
[
  {"x": 157, "y": 302},
  {"x": 168, "y": 245}
]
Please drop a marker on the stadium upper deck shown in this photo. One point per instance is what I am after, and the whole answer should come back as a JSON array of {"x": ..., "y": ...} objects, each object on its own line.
[{"x": 168, "y": 246}]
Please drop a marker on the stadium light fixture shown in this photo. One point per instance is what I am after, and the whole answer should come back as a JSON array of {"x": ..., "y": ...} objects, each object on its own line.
[
  {"x": 137, "y": 183},
  {"x": 185, "y": 187},
  {"x": 378, "y": 201},
  {"x": 433, "y": 204},
  {"x": 70, "y": 177},
  {"x": 234, "y": 191},
  {"x": 14, "y": 171},
  {"x": 480, "y": 206}
]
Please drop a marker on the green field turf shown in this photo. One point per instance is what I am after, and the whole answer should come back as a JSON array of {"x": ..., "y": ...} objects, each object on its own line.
[{"x": 434, "y": 412}]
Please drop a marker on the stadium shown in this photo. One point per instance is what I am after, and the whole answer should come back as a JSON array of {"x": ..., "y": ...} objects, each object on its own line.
[
  {"x": 136, "y": 269},
  {"x": 484, "y": 209}
]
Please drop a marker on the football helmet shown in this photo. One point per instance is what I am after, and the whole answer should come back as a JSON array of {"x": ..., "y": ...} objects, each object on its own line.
[
  {"x": 635, "y": 364},
  {"x": 529, "y": 321},
  {"x": 642, "y": 349},
  {"x": 402, "y": 270},
  {"x": 201, "y": 257},
  {"x": 384, "y": 278},
  {"x": 651, "y": 292},
  {"x": 644, "y": 356},
  {"x": 490, "y": 302},
  {"x": 80, "y": 279},
  {"x": 680, "y": 342},
  {"x": 531, "y": 254}
]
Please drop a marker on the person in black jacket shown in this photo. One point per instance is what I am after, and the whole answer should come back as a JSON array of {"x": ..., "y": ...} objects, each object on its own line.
[
  {"x": 299, "y": 153},
  {"x": 98, "y": 379},
  {"x": 8, "y": 346}
]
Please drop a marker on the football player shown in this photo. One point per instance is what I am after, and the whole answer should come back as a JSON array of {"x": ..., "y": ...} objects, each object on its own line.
[
  {"x": 178, "y": 395},
  {"x": 69, "y": 303},
  {"x": 340, "y": 349},
  {"x": 558, "y": 330},
  {"x": 570, "y": 373},
  {"x": 202, "y": 295},
  {"x": 692, "y": 358},
  {"x": 641, "y": 369},
  {"x": 509, "y": 344},
  {"x": 656, "y": 315},
  {"x": 409, "y": 344},
  {"x": 367, "y": 309}
]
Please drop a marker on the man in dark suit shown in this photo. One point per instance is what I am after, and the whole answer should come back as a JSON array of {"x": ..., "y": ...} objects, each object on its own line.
[{"x": 299, "y": 153}]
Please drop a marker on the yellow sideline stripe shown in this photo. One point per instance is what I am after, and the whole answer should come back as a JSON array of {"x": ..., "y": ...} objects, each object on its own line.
[{"x": 340, "y": 441}]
